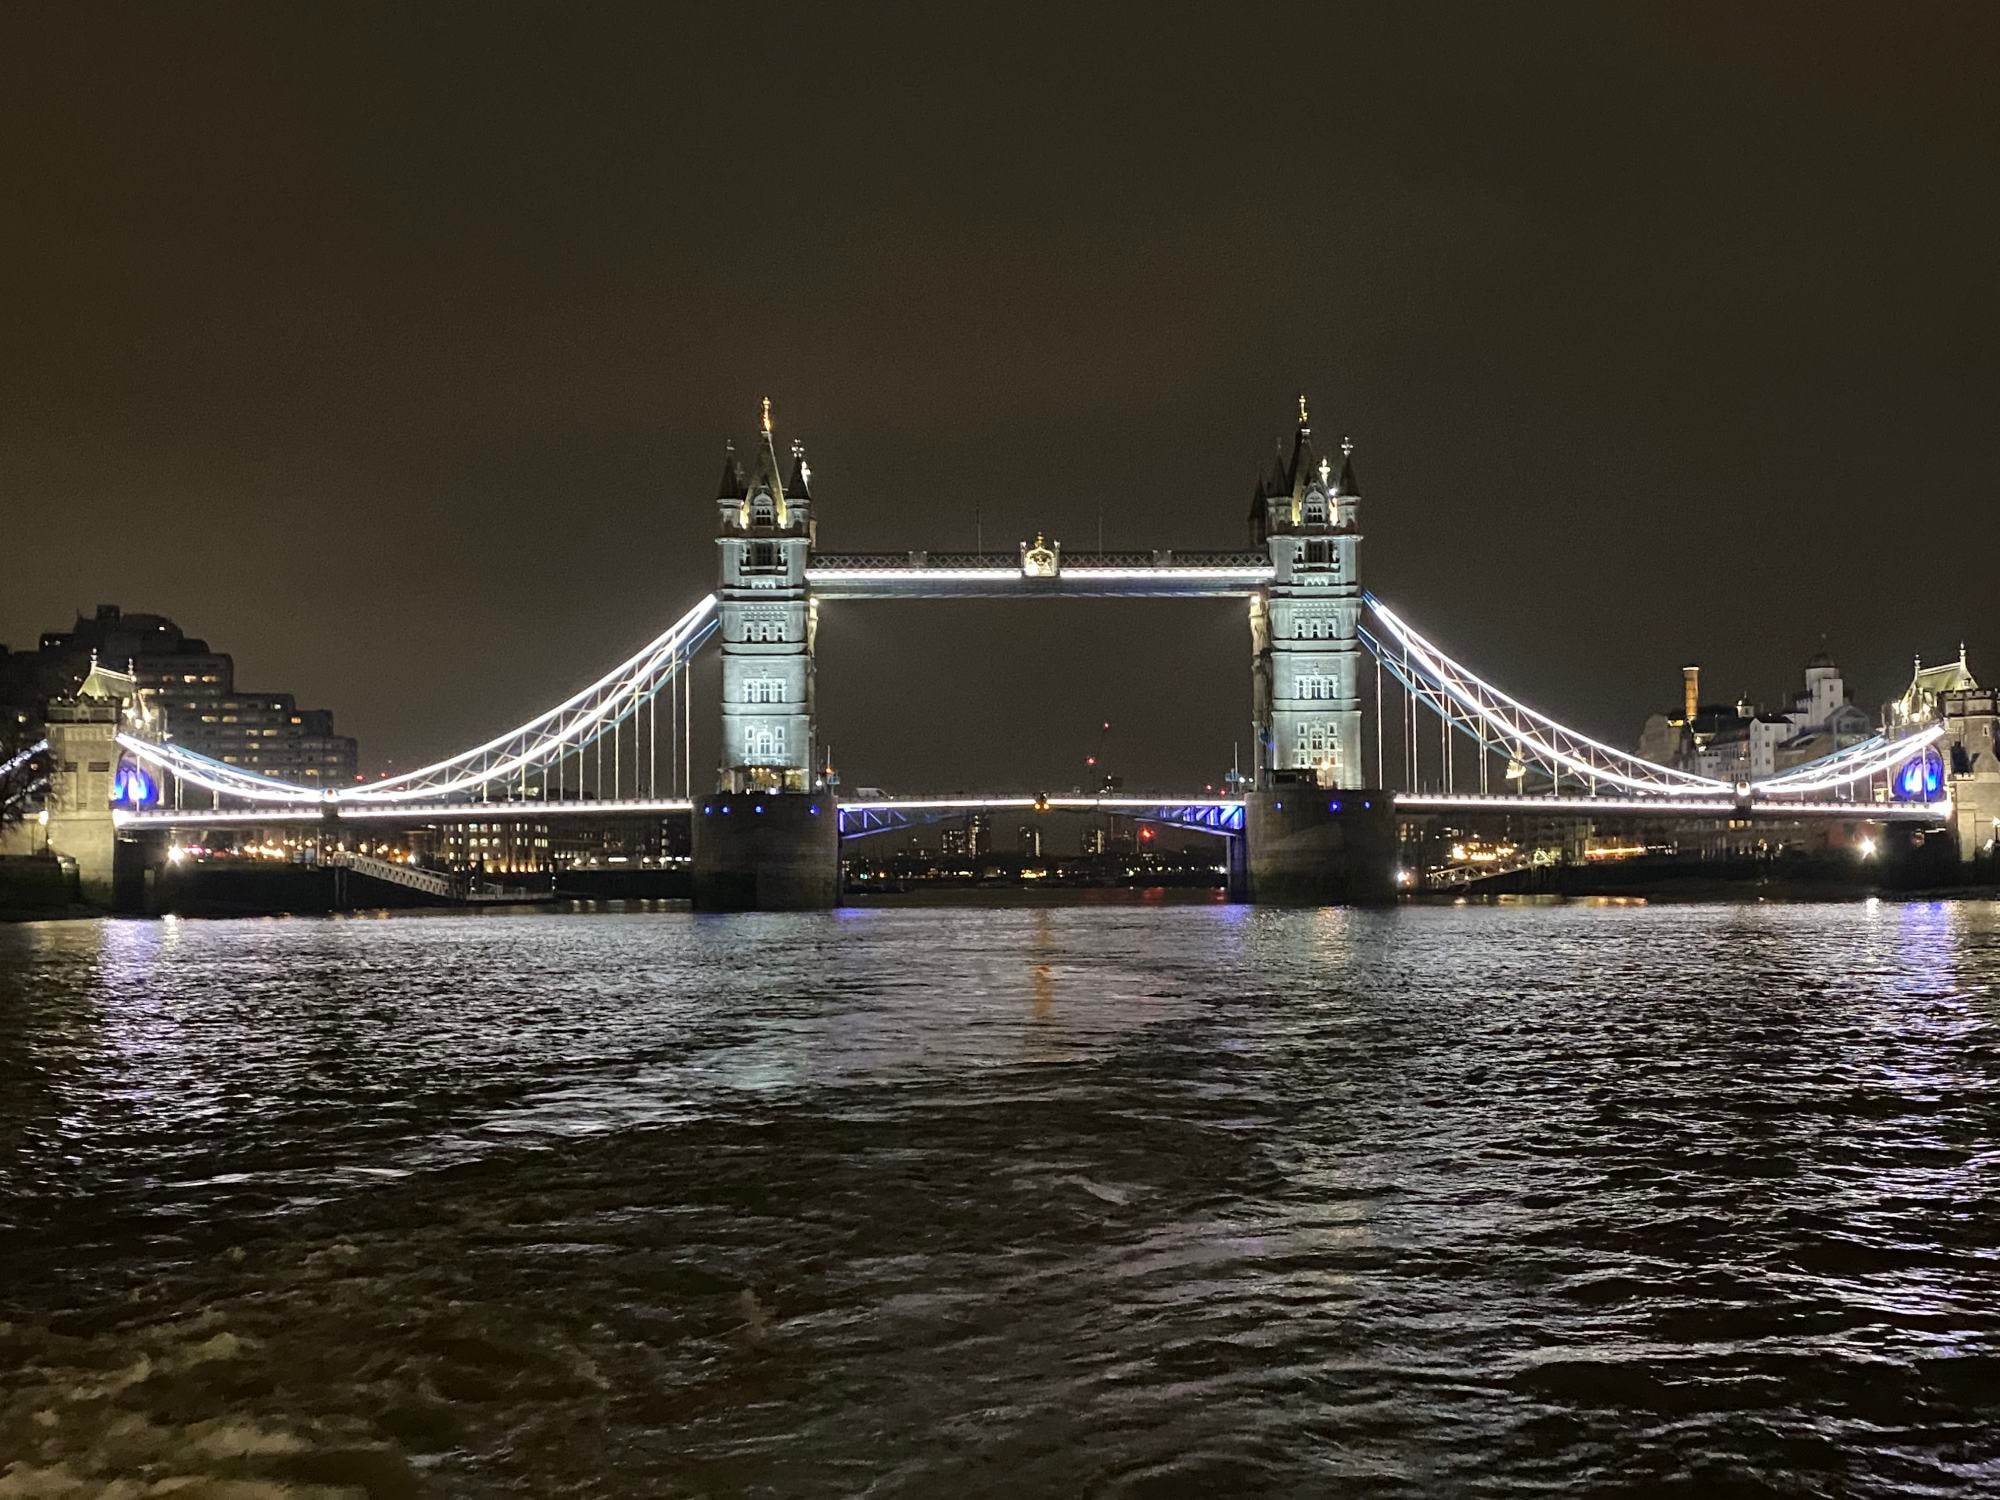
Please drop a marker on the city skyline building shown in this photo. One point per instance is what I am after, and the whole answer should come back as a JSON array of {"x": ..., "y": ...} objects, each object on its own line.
[
  {"x": 1743, "y": 742},
  {"x": 193, "y": 687}
]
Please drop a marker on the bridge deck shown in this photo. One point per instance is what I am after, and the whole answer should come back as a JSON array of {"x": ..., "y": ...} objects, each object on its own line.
[{"x": 1164, "y": 808}]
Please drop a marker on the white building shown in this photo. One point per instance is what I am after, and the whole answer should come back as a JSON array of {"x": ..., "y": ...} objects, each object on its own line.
[{"x": 1741, "y": 743}]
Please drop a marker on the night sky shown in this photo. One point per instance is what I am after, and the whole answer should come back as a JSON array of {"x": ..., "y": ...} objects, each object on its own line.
[{"x": 393, "y": 349}]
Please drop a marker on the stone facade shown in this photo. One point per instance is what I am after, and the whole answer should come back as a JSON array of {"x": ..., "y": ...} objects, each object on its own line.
[
  {"x": 82, "y": 730},
  {"x": 1971, "y": 750},
  {"x": 1306, "y": 653}
]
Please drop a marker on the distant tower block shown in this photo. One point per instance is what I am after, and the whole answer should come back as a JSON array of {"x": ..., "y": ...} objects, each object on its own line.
[
  {"x": 1306, "y": 670},
  {"x": 1690, "y": 693},
  {"x": 765, "y": 533}
]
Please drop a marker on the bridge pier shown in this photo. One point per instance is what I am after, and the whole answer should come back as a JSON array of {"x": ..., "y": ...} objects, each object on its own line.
[
  {"x": 1308, "y": 845},
  {"x": 766, "y": 851},
  {"x": 1236, "y": 855}
]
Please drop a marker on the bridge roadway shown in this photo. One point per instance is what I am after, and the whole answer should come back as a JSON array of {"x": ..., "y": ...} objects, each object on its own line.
[{"x": 1221, "y": 815}]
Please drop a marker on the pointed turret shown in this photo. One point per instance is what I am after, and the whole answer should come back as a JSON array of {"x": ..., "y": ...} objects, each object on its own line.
[
  {"x": 764, "y": 471},
  {"x": 1299, "y": 473},
  {"x": 799, "y": 485},
  {"x": 764, "y": 465},
  {"x": 731, "y": 487},
  {"x": 1345, "y": 485}
]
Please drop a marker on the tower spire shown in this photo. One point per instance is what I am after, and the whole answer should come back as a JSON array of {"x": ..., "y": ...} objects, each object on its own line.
[
  {"x": 799, "y": 486},
  {"x": 731, "y": 487}
]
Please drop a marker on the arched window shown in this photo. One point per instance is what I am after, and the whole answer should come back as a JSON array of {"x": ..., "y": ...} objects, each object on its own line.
[
  {"x": 763, "y": 510},
  {"x": 1315, "y": 510}
]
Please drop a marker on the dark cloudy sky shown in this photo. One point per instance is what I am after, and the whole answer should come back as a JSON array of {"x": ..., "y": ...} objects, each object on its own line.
[{"x": 392, "y": 348}]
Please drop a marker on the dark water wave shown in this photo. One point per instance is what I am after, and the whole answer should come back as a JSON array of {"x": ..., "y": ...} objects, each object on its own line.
[{"x": 1001, "y": 1202}]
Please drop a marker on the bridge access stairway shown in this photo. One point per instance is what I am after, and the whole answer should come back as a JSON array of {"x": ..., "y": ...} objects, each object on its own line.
[
  {"x": 456, "y": 890},
  {"x": 1472, "y": 877}
]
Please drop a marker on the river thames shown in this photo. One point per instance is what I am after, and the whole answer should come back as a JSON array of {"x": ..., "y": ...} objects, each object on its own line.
[{"x": 1117, "y": 1200}]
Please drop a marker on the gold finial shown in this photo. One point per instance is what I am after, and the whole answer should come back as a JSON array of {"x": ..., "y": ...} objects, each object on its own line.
[
  {"x": 1303, "y": 418},
  {"x": 767, "y": 416}
]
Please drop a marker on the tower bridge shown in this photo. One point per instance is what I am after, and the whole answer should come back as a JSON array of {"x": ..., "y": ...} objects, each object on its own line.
[{"x": 1339, "y": 681}]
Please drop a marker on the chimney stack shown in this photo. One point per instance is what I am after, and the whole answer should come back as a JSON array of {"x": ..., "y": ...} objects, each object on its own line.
[{"x": 1690, "y": 691}]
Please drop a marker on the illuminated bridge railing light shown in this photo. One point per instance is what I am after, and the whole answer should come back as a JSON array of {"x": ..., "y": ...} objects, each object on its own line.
[{"x": 551, "y": 739}]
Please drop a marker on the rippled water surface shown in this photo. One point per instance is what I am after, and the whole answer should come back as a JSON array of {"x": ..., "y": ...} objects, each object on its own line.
[{"x": 1114, "y": 1201}]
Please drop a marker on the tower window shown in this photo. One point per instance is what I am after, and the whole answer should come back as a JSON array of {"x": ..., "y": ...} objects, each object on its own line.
[{"x": 762, "y": 557}]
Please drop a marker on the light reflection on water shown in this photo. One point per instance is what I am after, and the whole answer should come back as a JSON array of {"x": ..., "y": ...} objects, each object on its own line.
[{"x": 1119, "y": 1199}]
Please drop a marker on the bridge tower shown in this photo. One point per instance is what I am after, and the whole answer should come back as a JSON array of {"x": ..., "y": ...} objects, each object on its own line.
[
  {"x": 1307, "y": 664},
  {"x": 82, "y": 728},
  {"x": 765, "y": 533},
  {"x": 1314, "y": 832},
  {"x": 767, "y": 839}
]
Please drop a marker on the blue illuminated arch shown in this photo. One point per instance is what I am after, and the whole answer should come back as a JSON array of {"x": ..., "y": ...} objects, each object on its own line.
[{"x": 1921, "y": 778}]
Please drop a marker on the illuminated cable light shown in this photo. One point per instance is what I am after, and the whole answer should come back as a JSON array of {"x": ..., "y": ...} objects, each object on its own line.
[
  {"x": 1883, "y": 761},
  {"x": 1450, "y": 678},
  {"x": 569, "y": 739},
  {"x": 15, "y": 762},
  {"x": 1843, "y": 768},
  {"x": 1679, "y": 806},
  {"x": 1509, "y": 735},
  {"x": 632, "y": 683},
  {"x": 661, "y": 645}
]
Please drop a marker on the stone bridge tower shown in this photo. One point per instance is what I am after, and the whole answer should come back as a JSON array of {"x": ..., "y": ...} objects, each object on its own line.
[
  {"x": 765, "y": 535},
  {"x": 83, "y": 727},
  {"x": 1307, "y": 654},
  {"x": 768, "y": 838}
]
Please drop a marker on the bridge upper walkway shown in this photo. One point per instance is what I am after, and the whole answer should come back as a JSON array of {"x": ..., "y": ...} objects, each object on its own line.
[{"x": 1163, "y": 574}]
